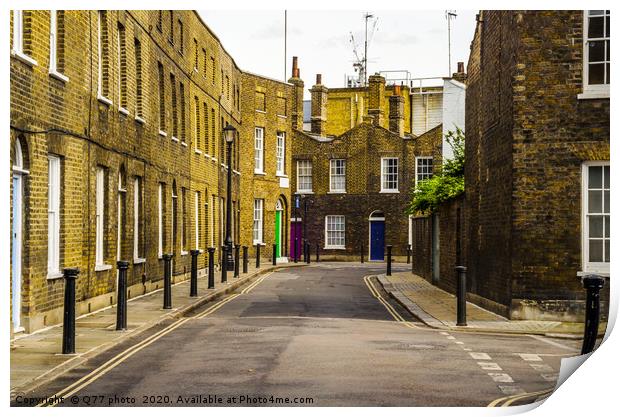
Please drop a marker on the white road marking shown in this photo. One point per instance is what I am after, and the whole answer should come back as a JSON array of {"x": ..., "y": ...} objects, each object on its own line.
[
  {"x": 554, "y": 343},
  {"x": 444, "y": 334},
  {"x": 530, "y": 357},
  {"x": 489, "y": 366},
  {"x": 450, "y": 337},
  {"x": 550, "y": 377},
  {"x": 467, "y": 349},
  {"x": 459, "y": 343},
  {"x": 511, "y": 389},
  {"x": 480, "y": 356},
  {"x": 500, "y": 377},
  {"x": 541, "y": 367}
]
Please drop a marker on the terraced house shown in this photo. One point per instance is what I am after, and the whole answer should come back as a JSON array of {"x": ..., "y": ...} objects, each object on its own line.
[{"x": 117, "y": 153}]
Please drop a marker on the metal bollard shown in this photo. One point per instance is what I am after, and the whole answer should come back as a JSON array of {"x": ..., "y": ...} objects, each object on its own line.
[
  {"x": 362, "y": 253},
  {"x": 307, "y": 252},
  {"x": 389, "y": 260},
  {"x": 273, "y": 254},
  {"x": 461, "y": 296},
  {"x": 245, "y": 259},
  {"x": 408, "y": 254},
  {"x": 237, "y": 249},
  {"x": 258, "y": 255},
  {"x": 317, "y": 252},
  {"x": 211, "y": 268},
  {"x": 121, "y": 297},
  {"x": 295, "y": 250},
  {"x": 223, "y": 268},
  {"x": 193, "y": 280},
  {"x": 68, "y": 323},
  {"x": 167, "y": 280},
  {"x": 593, "y": 285}
]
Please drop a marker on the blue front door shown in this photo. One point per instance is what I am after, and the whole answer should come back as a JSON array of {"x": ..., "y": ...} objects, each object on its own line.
[{"x": 377, "y": 229}]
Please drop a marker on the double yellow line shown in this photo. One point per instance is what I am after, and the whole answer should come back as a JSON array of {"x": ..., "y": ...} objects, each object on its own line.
[
  {"x": 126, "y": 354},
  {"x": 387, "y": 305},
  {"x": 508, "y": 401}
]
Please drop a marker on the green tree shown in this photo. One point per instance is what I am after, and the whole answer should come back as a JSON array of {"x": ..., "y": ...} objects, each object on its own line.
[{"x": 445, "y": 185}]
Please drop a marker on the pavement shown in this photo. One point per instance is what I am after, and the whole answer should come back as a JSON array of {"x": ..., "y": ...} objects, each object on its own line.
[
  {"x": 36, "y": 357},
  {"x": 437, "y": 308},
  {"x": 322, "y": 335}
]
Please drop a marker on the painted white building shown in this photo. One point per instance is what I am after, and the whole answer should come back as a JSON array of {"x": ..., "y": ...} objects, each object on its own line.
[{"x": 453, "y": 111}]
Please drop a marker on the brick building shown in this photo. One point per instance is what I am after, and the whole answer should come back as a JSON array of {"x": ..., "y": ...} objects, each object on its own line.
[
  {"x": 537, "y": 152},
  {"x": 354, "y": 181},
  {"x": 117, "y": 153}
]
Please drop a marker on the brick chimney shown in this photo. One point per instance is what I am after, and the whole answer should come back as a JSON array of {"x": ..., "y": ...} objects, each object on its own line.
[
  {"x": 397, "y": 112},
  {"x": 376, "y": 93},
  {"x": 297, "y": 106},
  {"x": 460, "y": 75},
  {"x": 318, "y": 118}
]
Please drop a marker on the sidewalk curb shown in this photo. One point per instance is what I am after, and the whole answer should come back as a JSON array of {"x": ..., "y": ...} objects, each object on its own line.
[
  {"x": 123, "y": 336},
  {"x": 416, "y": 311}
]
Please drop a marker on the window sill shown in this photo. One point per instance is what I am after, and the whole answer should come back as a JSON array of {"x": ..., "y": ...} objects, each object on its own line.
[
  {"x": 236, "y": 172},
  {"x": 261, "y": 111},
  {"x": 335, "y": 247},
  {"x": 207, "y": 155},
  {"x": 213, "y": 159},
  {"x": 281, "y": 116},
  {"x": 389, "y": 192},
  {"x": 174, "y": 139},
  {"x": 123, "y": 110},
  {"x": 336, "y": 192},
  {"x": 137, "y": 261},
  {"x": 184, "y": 252},
  {"x": 197, "y": 151},
  {"x": 281, "y": 175},
  {"x": 584, "y": 273},
  {"x": 591, "y": 95},
  {"x": 162, "y": 133},
  {"x": 24, "y": 58},
  {"x": 104, "y": 100},
  {"x": 140, "y": 120},
  {"x": 254, "y": 243},
  {"x": 184, "y": 144},
  {"x": 59, "y": 76},
  {"x": 104, "y": 267},
  {"x": 54, "y": 275},
  {"x": 259, "y": 172}
]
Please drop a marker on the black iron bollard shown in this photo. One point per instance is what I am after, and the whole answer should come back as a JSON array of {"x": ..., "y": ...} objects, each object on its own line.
[
  {"x": 362, "y": 253},
  {"x": 389, "y": 260},
  {"x": 408, "y": 253},
  {"x": 461, "y": 296},
  {"x": 593, "y": 285},
  {"x": 223, "y": 266},
  {"x": 258, "y": 255},
  {"x": 307, "y": 252},
  {"x": 273, "y": 254},
  {"x": 68, "y": 324},
  {"x": 167, "y": 280},
  {"x": 237, "y": 249},
  {"x": 295, "y": 250},
  {"x": 317, "y": 252},
  {"x": 211, "y": 268},
  {"x": 193, "y": 280},
  {"x": 121, "y": 297},
  {"x": 245, "y": 259}
]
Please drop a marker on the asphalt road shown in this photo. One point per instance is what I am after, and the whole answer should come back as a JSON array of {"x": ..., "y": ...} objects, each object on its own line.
[{"x": 318, "y": 336}]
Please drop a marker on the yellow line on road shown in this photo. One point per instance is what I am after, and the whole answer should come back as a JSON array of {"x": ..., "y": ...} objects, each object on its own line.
[
  {"x": 387, "y": 305},
  {"x": 513, "y": 398}
]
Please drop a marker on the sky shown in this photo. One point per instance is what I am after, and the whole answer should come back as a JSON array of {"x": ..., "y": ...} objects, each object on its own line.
[{"x": 412, "y": 40}]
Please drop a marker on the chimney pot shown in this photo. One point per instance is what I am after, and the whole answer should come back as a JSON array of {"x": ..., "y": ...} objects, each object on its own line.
[
  {"x": 397, "y": 90},
  {"x": 460, "y": 67},
  {"x": 318, "y": 79}
]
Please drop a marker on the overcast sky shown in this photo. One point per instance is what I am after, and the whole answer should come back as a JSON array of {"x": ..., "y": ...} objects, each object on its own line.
[{"x": 411, "y": 40}]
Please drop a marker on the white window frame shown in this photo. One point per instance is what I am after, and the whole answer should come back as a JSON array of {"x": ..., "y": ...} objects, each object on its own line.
[
  {"x": 118, "y": 62},
  {"x": 173, "y": 221},
  {"x": 100, "y": 205},
  {"x": 259, "y": 150},
  {"x": 160, "y": 221},
  {"x": 329, "y": 245},
  {"x": 197, "y": 219},
  {"x": 280, "y": 153},
  {"x": 417, "y": 165},
  {"x": 594, "y": 90},
  {"x": 100, "y": 96},
  {"x": 384, "y": 174},
  {"x": 587, "y": 266},
  {"x": 53, "y": 69},
  {"x": 18, "y": 39},
  {"x": 307, "y": 173},
  {"x": 258, "y": 216},
  {"x": 53, "y": 217},
  {"x": 137, "y": 201},
  {"x": 333, "y": 176}
]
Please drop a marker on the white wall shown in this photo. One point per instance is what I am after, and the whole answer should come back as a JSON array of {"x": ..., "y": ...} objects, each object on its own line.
[{"x": 453, "y": 111}]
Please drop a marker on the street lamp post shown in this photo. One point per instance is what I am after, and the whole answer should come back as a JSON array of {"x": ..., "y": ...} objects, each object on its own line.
[{"x": 229, "y": 133}]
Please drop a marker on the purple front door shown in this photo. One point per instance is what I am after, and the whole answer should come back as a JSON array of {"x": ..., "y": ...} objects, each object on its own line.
[{"x": 296, "y": 237}]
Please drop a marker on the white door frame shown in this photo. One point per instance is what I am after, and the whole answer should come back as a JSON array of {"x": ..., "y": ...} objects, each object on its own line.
[{"x": 16, "y": 261}]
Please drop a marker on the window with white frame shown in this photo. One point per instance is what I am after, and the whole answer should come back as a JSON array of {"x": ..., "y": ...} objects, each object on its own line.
[
  {"x": 21, "y": 33},
  {"x": 53, "y": 217},
  {"x": 103, "y": 61},
  {"x": 423, "y": 168},
  {"x": 596, "y": 66},
  {"x": 258, "y": 222},
  {"x": 183, "y": 220},
  {"x": 334, "y": 232},
  {"x": 173, "y": 228},
  {"x": 280, "y": 152},
  {"x": 197, "y": 219},
  {"x": 137, "y": 217},
  {"x": 596, "y": 216},
  {"x": 57, "y": 44},
  {"x": 389, "y": 174},
  {"x": 337, "y": 175},
  {"x": 259, "y": 143},
  {"x": 160, "y": 220},
  {"x": 304, "y": 176},
  {"x": 100, "y": 204}
]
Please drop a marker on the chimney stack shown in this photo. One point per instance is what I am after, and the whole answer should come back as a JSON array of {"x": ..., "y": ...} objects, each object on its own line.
[
  {"x": 318, "y": 118},
  {"x": 460, "y": 75},
  {"x": 376, "y": 92},
  {"x": 297, "y": 98},
  {"x": 397, "y": 112}
]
